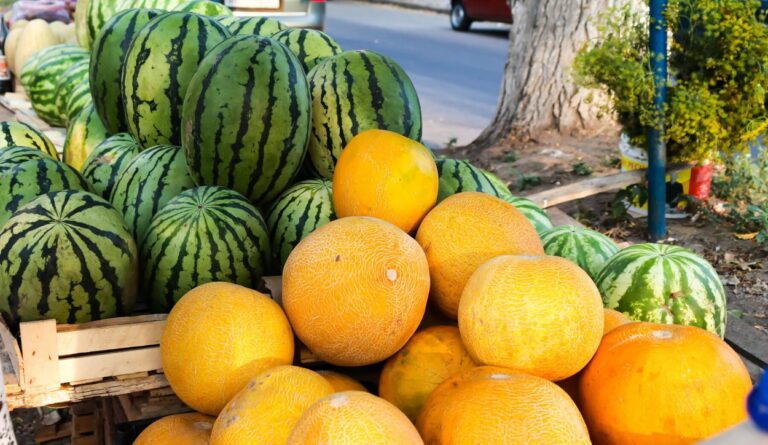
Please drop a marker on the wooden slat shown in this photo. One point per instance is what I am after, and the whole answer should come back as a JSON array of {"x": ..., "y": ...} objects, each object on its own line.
[
  {"x": 41, "y": 359},
  {"x": 117, "y": 321},
  {"x": 109, "y": 337},
  {"x": 72, "y": 369}
]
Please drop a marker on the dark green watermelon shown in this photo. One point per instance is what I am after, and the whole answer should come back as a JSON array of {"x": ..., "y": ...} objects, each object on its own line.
[
  {"x": 159, "y": 65},
  {"x": 18, "y": 134},
  {"x": 72, "y": 77},
  {"x": 67, "y": 256},
  {"x": 254, "y": 26},
  {"x": 10, "y": 157},
  {"x": 85, "y": 132},
  {"x": 308, "y": 45},
  {"x": 204, "y": 234},
  {"x": 107, "y": 161},
  {"x": 246, "y": 118}
]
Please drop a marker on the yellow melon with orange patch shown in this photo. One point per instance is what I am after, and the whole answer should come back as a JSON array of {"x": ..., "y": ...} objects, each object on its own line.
[
  {"x": 187, "y": 429},
  {"x": 217, "y": 337},
  {"x": 355, "y": 290},
  {"x": 354, "y": 418},
  {"x": 267, "y": 409},
  {"x": 341, "y": 382},
  {"x": 429, "y": 358},
  {"x": 385, "y": 175},
  {"x": 464, "y": 231}
]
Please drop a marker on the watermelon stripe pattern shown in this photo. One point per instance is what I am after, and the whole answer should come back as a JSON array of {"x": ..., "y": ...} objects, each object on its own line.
[
  {"x": 29, "y": 70},
  {"x": 589, "y": 249},
  {"x": 535, "y": 214},
  {"x": 458, "y": 176},
  {"x": 253, "y": 26},
  {"x": 205, "y": 7},
  {"x": 85, "y": 132},
  {"x": 308, "y": 45},
  {"x": 76, "y": 74},
  {"x": 67, "y": 256},
  {"x": 79, "y": 99},
  {"x": 246, "y": 118},
  {"x": 664, "y": 284},
  {"x": 10, "y": 157},
  {"x": 205, "y": 234},
  {"x": 107, "y": 161},
  {"x": 357, "y": 91},
  {"x": 17, "y": 134},
  {"x": 44, "y": 82}
]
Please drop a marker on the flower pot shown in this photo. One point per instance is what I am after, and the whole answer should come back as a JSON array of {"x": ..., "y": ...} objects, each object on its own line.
[{"x": 701, "y": 180}]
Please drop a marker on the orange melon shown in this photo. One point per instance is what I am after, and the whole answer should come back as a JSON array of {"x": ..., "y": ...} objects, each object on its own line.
[
  {"x": 355, "y": 290},
  {"x": 341, "y": 382},
  {"x": 267, "y": 409},
  {"x": 539, "y": 315},
  {"x": 464, "y": 231},
  {"x": 662, "y": 385},
  {"x": 187, "y": 429},
  {"x": 385, "y": 175},
  {"x": 613, "y": 319},
  {"x": 217, "y": 337},
  {"x": 354, "y": 418},
  {"x": 427, "y": 360}
]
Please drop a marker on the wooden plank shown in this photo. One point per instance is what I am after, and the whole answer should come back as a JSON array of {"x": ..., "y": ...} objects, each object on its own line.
[
  {"x": 117, "y": 321},
  {"x": 133, "y": 375},
  {"x": 105, "y": 338},
  {"x": 560, "y": 218},
  {"x": 41, "y": 359},
  {"x": 109, "y": 364},
  {"x": 48, "y": 433},
  {"x": 748, "y": 341}
]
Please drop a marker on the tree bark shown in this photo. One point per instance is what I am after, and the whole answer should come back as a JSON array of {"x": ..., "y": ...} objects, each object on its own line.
[{"x": 538, "y": 95}]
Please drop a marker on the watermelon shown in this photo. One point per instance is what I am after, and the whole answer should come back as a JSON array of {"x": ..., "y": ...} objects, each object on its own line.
[
  {"x": 205, "y": 7},
  {"x": 14, "y": 134},
  {"x": 67, "y": 256},
  {"x": 78, "y": 99},
  {"x": 159, "y": 65},
  {"x": 296, "y": 213},
  {"x": 204, "y": 234},
  {"x": 109, "y": 50},
  {"x": 81, "y": 26},
  {"x": 461, "y": 176},
  {"x": 254, "y": 26},
  {"x": 310, "y": 46},
  {"x": 535, "y": 214},
  {"x": 29, "y": 70},
  {"x": 71, "y": 78},
  {"x": 589, "y": 249},
  {"x": 107, "y": 161},
  {"x": 664, "y": 284},
  {"x": 32, "y": 178},
  {"x": 42, "y": 87},
  {"x": 10, "y": 157},
  {"x": 85, "y": 132},
  {"x": 246, "y": 118},
  {"x": 357, "y": 91},
  {"x": 97, "y": 13},
  {"x": 147, "y": 183}
]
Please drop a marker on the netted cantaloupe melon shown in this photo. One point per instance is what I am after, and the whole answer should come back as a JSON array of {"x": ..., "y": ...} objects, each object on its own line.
[
  {"x": 187, "y": 429},
  {"x": 341, "y": 382}
]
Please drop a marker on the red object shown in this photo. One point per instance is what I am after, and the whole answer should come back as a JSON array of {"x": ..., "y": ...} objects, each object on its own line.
[
  {"x": 487, "y": 10},
  {"x": 701, "y": 180},
  {"x": 317, "y": 1}
]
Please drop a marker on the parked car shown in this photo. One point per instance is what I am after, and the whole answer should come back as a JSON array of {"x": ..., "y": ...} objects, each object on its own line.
[
  {"x": 294, "y": 13},
  {"x": 464, "y": 12}
]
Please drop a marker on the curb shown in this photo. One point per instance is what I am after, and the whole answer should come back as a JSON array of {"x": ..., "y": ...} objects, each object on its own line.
[{"x": 413, "y": 4}]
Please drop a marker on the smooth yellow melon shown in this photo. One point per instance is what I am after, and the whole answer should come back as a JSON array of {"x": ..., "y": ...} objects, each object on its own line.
[
  {"x": 267, "y": 409},
  {"x": 427, "y": 360},
  {"x": 35, "y": 36},
  {"x": 218, "y": 337},
  {"x": 341, "y": 382},
  {"x": 187, "y": 429},
  {"x": 11, "y": 41},
  {"x": 354, "y": 418},
  {"x": 19, "y": 24},
  {"x": 464, "y": 231},
  {"x": 355, "y": 290}
]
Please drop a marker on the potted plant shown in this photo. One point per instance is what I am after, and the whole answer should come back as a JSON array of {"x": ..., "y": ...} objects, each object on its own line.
[{"x": 718, "y": 74}]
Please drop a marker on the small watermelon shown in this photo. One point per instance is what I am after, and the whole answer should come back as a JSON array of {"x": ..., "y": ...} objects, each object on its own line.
[
  {"x": 29, "y": 70},
  {"x": 159, "y": 65},
  {"x": 108, "y": 160},
  {"x": 357, "y": 91},
  {"x": 308, "y": 45},
  {"x": 461, "y": 176},
  {"x": 78, "y": 99},
  {"x": 85, "y": 132},
  {"x": 147, "y": 183},
  {"x": 246, "y": 118},
  {"x": 664, "y": 284},
  {"x": 589, "y": 249},
  {"x": 535, "y": 214},
  {"x": 296, "y": 213},
  {"x": 42, "y": 87},
  {"x": 205, "y": 7},
  {"x": 13, "y": 134},
  {"x": 10, "y": 157},
  {"x": 67, "y": 256},
  {"x": 204, "y": 234},
  {"x": 71, "y": 78},
  {"x": 254, "y": 26}
]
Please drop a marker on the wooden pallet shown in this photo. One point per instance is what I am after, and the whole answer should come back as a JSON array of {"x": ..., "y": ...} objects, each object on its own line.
[{"x": 85, "y": 427}]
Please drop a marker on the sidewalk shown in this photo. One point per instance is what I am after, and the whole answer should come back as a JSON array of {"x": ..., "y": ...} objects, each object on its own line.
[{"x": 443, "y": 6}]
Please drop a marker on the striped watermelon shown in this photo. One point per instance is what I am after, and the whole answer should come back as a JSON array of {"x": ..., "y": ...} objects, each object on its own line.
[
  {"x": 14, "y": 134},
  {"x": 296, "y": 213},
  {"x": 67, "y": 256},
  {"x": 246, "y": 118},
  {"x": 357, "y": 91},
  {"x": 147, "y": 183},
  {"x": 205, "y": 234},
  {"x": 253, "y": 26},
  {"x": 78, "y": 99},
  {"x": 461, "y": 176},
  {"x": 664, "y": 284},
  {"x": 10, "y": 157},
  {"x": 81, "y": 26},
  {"x": 32, "y": 178},
  {"x": 587, "y": 248},
  {"x": 535, "y": 214},
  {"x": 109, "y": 51},
  {"x": 205, "y": 7},
  {"x": 97, "y": 13},
  {"x": 107, "y": 161},
  {"x": 42, "y": 86},
  {"x": 159, "y": 65},
  {"x": 85, "y": 132},
  {"x": 71, "y": 78},
  {"x": 29, "y": 70},
  {"x": 310, "y": 46}
]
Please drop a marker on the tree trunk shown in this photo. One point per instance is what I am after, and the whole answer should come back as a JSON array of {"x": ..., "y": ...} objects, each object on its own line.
[{"x": 538, "y": 96}]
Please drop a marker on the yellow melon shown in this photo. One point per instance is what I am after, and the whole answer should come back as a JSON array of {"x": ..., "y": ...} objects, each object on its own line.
[
  {"x": 385, "y": 175},
  {"x": 187, "y": 429},
  {"x": 354, "y": 418},
  {"x": 218, "y": 336},
  {"x": 267, "y": 409},
  {"x": 355, "y": 290},
  {"x": 429, "y": 358},
  {"x": 464, "y": 231},
  {"x": 613, "y": 319},
  {"x": 342, "y": 382},
  {"x": 539, "y": 315}
]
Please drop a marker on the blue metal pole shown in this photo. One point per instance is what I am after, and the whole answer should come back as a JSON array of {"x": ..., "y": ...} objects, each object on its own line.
[{"x": 657, "y": 153}]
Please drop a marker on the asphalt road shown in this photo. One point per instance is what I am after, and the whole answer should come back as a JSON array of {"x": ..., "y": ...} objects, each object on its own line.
[{"x": 457, "y": 75}]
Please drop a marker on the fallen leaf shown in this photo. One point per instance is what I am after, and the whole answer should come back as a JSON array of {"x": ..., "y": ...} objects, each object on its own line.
[{"x": 746, "y": 236}]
